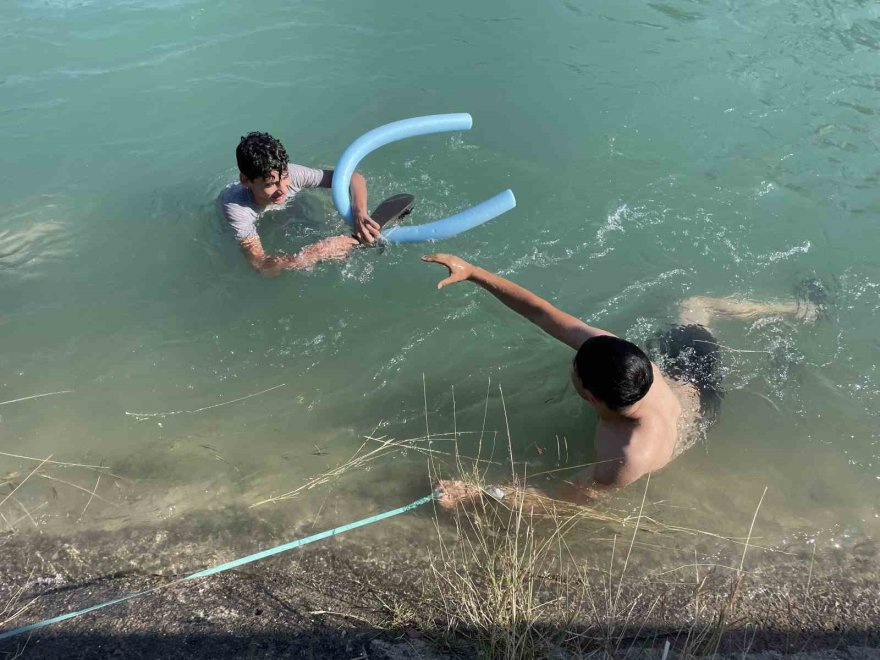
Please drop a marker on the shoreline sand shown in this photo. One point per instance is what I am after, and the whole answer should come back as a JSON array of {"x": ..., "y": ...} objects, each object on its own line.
[{"x": 359, "y": 597}]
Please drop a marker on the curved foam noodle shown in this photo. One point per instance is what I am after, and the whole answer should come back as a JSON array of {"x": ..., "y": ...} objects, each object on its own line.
[{"x": 400, "y": 130}]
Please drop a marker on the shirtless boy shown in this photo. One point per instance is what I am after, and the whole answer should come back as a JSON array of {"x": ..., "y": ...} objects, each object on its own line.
[
  {"x": 646, "y": 418},
  {"x": 266, "y": 181}
]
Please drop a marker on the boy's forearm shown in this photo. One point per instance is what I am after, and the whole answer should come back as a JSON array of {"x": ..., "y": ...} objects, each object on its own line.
[
  {"x": 566, "y": 328},
  {"x": 529, "y": 499},
  {"x": 358, "y": 190},
  {"x": 272, "y": 266},
  {"x": 517, "y": 298},
  {"x": 535, "y": 500}
]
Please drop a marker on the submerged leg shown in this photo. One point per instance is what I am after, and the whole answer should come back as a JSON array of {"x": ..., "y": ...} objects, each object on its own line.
[{"x": 701, "y": 310}]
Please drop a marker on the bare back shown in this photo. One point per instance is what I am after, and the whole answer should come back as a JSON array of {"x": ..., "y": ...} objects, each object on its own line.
[{"x": 662, "y": 426}]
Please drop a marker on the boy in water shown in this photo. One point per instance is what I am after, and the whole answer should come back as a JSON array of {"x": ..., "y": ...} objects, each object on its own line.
[
  {"x": 646, "y": 417},
  {"x": 266, "y": 181}
]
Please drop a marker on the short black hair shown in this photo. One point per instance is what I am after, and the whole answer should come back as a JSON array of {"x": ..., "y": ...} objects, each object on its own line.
[
  {"x": 258, "y": 154},
  {"x": 613, "y": 370}
]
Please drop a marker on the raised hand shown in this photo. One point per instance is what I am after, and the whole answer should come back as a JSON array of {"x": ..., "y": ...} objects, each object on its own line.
[{"x": 459, "y": 269}]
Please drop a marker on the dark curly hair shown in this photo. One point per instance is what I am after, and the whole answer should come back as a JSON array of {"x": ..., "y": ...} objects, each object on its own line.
[{"x": 258, "y": 154}]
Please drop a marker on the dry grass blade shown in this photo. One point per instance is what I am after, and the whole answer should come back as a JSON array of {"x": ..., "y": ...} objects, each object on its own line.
[
  {"x": 78, "y": 487},
  {"x": 59, "y": 463},
  {"x": 629, "y": 552},
  {"x": 425, "y": 395},
  {"x": 483, "y": 428},
  {"x": 358, "y": 460},
  {"x": 751, "y": 528},
  {"x": 34, "y": 396},
  {"x": 728, "y": 608},
  {"x": 810, "y": 574},
  {"x": 346, "y": 615},
  {"x": 9, "y": 525},
  {"x": 569, "y": 468},
  {"x": 729, "y": 539},
  {"x": 91, "y": 497},
  {"x": 27, "y": 514},
  {"x": 509, "y": 441},
  {"x": 11, "y": 610},
  {"x": 142, "y": 416}
]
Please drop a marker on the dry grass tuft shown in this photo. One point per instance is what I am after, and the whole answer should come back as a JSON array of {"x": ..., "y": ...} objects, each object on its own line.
[
  {"x": 16, "y": 605},
  {"x": 504, "y": 577},
  {"x": 17, "y": 485},
  {"x": 519, "y": 581},
  {"x": 518, "y": 577}
]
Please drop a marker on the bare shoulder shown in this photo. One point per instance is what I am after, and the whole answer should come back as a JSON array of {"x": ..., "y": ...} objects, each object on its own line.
[
  {"x": 623, "y": 453},
  {"x": 657, "y": 433}
]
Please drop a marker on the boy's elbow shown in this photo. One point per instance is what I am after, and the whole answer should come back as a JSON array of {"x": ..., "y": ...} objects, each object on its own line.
[
  {"x": 260, "y": 267},
  {"x": 266, "y": 266}
]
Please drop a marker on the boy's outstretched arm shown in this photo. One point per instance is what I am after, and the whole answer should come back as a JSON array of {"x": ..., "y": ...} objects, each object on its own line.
[
  {"x": 333, "y": 247},
  {"x": 556, "y": 323}
]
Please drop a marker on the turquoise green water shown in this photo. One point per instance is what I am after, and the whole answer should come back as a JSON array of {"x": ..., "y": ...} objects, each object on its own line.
[{"x": 657, "y": 150}]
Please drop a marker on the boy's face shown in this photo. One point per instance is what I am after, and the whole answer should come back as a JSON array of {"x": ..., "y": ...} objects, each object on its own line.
[{"x": 271, "y": 189}]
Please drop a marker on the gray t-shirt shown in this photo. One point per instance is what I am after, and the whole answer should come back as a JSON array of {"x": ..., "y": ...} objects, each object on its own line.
[{"x": 242, "y": 213}]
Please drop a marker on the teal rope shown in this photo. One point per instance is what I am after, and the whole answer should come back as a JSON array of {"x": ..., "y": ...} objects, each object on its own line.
[{"x": 225, "y": 567}]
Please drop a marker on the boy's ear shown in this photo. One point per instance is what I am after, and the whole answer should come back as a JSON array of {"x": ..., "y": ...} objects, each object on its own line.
[{"x": 244, "y": 180}]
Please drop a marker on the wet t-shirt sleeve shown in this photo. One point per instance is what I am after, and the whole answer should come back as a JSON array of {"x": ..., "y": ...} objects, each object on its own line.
[
  {"x": 304, "y": 177},
  {"x": 240, "y": 214}
]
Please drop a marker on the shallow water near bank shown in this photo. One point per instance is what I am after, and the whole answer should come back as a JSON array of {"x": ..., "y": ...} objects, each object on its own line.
[{"x": 656, "y": 152}]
